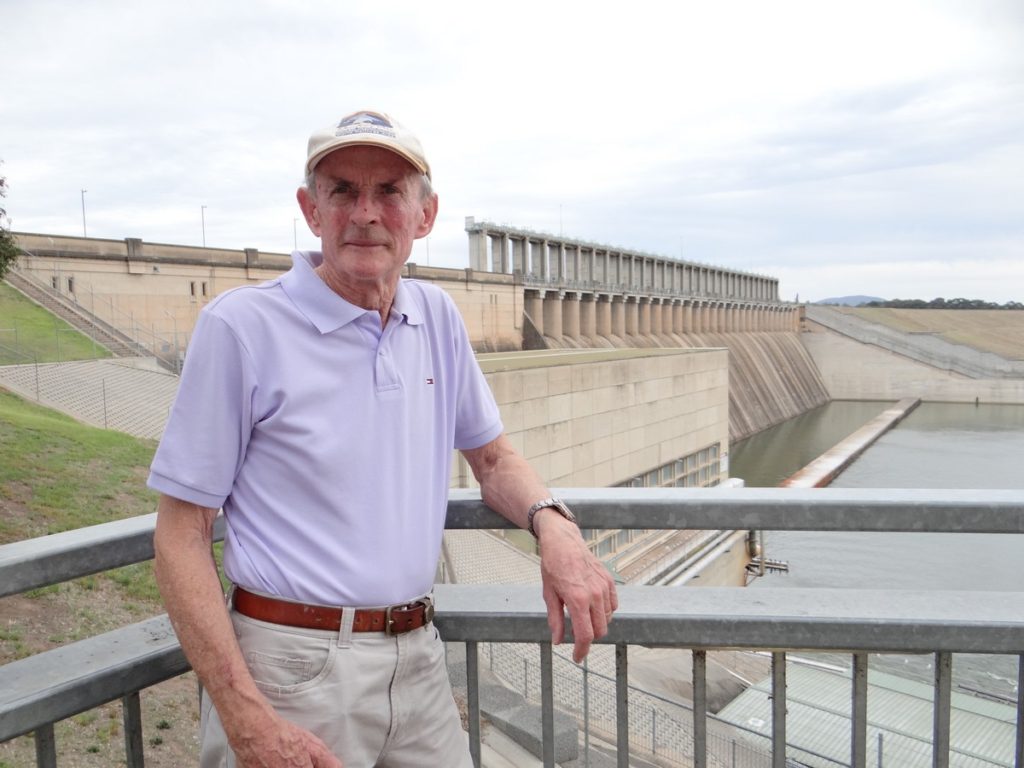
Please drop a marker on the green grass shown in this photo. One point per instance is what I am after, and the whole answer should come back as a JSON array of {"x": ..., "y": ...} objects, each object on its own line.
[
  {"x": 66, "y": 475},
  {"x": 28, "y": 332},
  {"x": 57, "y": 474}
]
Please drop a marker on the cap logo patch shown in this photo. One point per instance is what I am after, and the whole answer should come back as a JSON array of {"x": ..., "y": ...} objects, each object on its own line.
[{"x": 365, "y": 122}]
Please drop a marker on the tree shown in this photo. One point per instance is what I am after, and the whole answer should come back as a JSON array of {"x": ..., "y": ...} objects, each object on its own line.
[{"x": 8, "y": 248}]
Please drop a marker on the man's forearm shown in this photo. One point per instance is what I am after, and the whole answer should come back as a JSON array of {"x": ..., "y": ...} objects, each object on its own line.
[{"x": 187, "y": 577}]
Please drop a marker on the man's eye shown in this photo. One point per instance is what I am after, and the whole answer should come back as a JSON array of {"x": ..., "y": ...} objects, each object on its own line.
[
  {"x": 391, "y": 189},
  {"x": 342, "y": 189}
]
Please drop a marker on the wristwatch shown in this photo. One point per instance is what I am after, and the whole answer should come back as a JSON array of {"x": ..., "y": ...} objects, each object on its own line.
[{"x": 555, "y": 504}]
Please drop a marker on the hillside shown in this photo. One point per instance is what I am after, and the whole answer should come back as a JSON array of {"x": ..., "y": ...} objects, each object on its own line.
[{"x": 990, "y": 330}]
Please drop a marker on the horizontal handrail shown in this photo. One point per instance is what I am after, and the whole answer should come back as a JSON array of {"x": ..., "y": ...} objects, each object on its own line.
[
  {"x": 35, "y": 563},
  {"x": 40, "y": 690}
]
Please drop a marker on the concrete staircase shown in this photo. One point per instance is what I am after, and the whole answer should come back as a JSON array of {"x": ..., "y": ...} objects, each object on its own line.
[{"x": 110, "y": 338}]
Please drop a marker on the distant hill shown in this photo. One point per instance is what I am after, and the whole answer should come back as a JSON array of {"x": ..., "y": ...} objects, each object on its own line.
[{"x": 849, "y": 301}]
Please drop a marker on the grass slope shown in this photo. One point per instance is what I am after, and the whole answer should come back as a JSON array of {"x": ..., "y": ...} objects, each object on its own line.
[
  {"x": 57, "y": 474},
  {"x": 27, "y": 332}
]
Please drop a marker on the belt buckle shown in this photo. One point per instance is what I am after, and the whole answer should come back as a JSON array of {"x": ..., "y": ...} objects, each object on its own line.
[{"x": 428, "y": 614}]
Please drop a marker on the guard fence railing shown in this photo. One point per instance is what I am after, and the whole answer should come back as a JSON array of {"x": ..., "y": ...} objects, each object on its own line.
[{"x": 38, "y": 691}]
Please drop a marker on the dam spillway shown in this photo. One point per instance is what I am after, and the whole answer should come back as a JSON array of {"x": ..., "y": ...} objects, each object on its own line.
[{"x": 772, "y": 378}]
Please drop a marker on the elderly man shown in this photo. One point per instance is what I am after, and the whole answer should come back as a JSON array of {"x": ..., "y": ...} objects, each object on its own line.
[{"x": 320, "y": 410}]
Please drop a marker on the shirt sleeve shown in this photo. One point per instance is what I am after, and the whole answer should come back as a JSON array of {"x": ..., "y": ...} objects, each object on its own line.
[
  {"x": 208, "y": 429},
  {"x": 477, "y": 418}
]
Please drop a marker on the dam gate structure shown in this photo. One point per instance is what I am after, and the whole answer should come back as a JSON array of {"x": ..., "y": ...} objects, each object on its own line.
[{"x": 524, "y": 290}]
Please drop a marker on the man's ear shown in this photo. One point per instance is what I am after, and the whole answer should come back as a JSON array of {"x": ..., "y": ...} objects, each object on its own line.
[
  {"x": 429, "y": 216},
  {"x": 309, "y": 209}
]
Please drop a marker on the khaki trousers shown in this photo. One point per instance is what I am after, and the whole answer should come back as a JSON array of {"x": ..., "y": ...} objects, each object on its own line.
[{"x": 376, "y": 701}]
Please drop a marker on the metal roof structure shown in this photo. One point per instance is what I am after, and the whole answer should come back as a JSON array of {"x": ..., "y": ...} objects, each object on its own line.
[{"x": 900, "y": 717}]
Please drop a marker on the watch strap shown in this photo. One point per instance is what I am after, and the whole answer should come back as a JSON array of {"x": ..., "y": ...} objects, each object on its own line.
[{"x": 555, "y": 504}]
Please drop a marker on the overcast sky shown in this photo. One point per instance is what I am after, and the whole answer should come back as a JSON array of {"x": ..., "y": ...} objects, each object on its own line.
[{"x": 843, "y": 147}]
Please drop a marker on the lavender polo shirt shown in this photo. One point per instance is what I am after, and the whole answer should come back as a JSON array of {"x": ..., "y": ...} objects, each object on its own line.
[{"x": 327, "y": 441}]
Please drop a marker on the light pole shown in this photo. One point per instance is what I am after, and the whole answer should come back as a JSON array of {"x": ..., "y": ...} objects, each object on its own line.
[
  {"x": 84, "y": 234},
  {"x": 202, "y": 213}
]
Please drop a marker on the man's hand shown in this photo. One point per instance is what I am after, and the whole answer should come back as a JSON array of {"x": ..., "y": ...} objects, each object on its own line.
[
  {"x": 575, "y": 579},
  {"x": 280, "y": 744}
]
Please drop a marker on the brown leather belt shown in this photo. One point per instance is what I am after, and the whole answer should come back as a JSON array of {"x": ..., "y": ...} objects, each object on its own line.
[{"x": 393, "y": 620}]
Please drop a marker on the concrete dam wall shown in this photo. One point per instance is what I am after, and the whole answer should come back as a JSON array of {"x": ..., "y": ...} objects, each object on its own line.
[{"x": 772, "y": 377}]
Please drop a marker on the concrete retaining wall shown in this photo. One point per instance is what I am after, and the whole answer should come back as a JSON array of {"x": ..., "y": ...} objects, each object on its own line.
[
  {"x": 924, "y": 348},
  {"x": 853, "y": 370}
]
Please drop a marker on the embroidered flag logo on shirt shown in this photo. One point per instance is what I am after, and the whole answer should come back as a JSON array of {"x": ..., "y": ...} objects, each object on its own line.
[{"x": 430, "y": 381}]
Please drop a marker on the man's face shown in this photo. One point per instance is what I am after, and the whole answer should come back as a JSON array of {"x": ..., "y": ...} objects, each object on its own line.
[{"x": 367, "y": 208}]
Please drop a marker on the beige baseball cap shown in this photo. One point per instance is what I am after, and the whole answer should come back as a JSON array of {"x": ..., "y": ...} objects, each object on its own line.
[{"x": 367, "y": 128}]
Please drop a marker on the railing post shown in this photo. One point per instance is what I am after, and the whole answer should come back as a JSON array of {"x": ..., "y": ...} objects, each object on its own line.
[
  {"x": 46, "y": 747},
  {"x": 700, "y": 709},
  {"x": 586, "y": 713},
  {"x": 943, "y": 698},
  {"x": 621, "y": 707},
  {"x": 473, "y": 700},
  {"x": 132, "y": 715},
  {"x": 859, "y": 735},
  {"x": 778, "y": 710},
  {"x": 547, "y": 705},
  {"x": 1020, "y": 712},
  {"x": 654, "y": 731}
]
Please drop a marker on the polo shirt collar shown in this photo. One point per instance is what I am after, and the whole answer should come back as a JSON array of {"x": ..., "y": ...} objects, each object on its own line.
[{"x": 327, "y": 310}]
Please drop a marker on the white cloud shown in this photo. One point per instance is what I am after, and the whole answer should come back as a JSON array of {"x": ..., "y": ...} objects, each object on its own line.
[{"x": 817, "y": 142}]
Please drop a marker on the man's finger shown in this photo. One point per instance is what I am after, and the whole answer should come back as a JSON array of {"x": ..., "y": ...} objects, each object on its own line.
[
  {"x": 582, "y": 632},
  {"x": 556, "y": 616}
]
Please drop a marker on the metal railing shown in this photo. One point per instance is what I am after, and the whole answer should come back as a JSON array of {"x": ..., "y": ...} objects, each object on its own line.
[{"x": 34, "y": 695}]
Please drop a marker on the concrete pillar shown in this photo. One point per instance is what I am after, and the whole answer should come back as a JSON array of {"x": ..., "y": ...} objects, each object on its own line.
[
  {"x": 603, "y": 315},
  {"x": 668, "y": 316},
  {"x": 553, "y": 314},
  {"x": 654, "y": 311},
  {"x": 644, "y": 316},
  {"x": 545, "y": 261},
  {"x": 678, "y": 316},
  {"x": 499, "y": 254},
  {"x": 478, "y": 251},
  {"x": 573, "y": 262},
  {"x": 519, "y": 256},
  {"x": 632, "y": 315},
  {"x": 618, "y": 314},
  {"x": 588, "y": 316},
  {"x": 571, "y": 315},
  {"x": 533, "y": 305}
]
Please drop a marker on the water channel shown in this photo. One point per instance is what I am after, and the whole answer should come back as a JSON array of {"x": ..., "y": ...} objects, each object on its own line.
[{"x": 937, "y": 446}]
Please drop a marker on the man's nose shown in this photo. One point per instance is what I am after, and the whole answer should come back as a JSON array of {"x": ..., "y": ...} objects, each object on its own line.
[{"x": 366, "y": 209}]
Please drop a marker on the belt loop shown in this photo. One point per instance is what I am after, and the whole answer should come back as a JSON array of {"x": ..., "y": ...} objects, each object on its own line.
[{"x": 348, "y": 615}]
